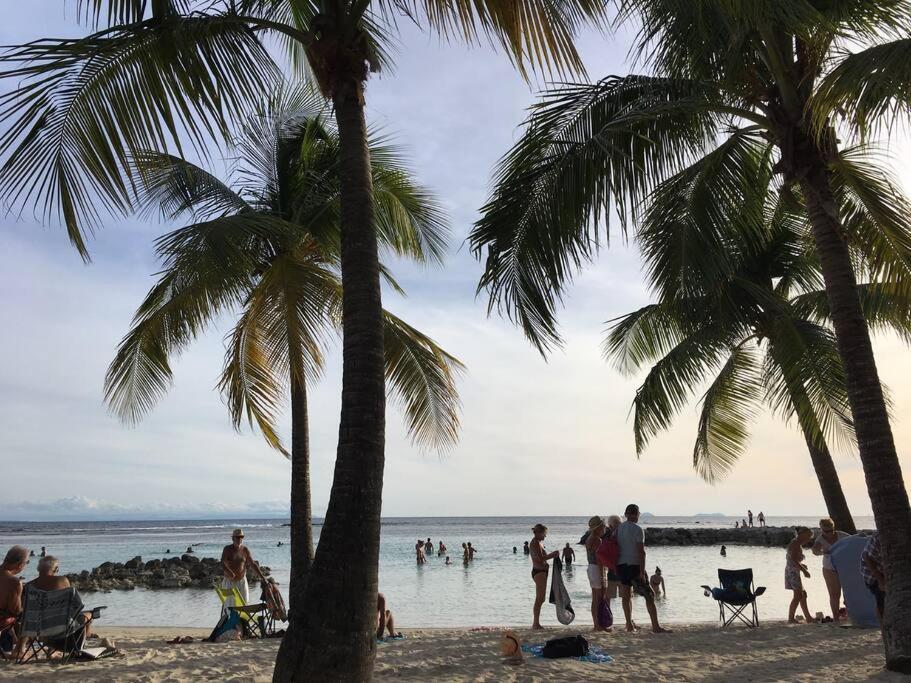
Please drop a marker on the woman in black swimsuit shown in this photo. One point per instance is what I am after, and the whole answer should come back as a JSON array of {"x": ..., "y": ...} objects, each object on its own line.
[{"x": 539, "y": 569}]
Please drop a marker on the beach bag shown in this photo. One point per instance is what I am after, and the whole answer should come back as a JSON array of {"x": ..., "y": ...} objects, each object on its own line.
[
  {"x": 571, "y": 646},
  {"x": 605, "y": 616},
  {"x": 226, "y": 625},
  {"x": 608, "y": 552}
]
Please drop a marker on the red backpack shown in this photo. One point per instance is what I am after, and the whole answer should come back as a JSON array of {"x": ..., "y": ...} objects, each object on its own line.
[{"x": 608, "y": 552}]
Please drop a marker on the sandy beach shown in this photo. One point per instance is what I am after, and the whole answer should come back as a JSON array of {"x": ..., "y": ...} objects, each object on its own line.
[{"x": 774, "y": 652}]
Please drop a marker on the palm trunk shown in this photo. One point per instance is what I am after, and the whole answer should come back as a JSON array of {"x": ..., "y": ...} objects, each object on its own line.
[
  {"x": 334, "y": 638},
  {"x": 301, "y": 515},
  {"x": 882, "y": 470},
  {"x": 836, "y": 504}
]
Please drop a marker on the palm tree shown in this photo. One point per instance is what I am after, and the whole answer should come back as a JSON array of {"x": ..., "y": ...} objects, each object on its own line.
[
  {"x": 720, "y": 70},
  {"x": 270, "y": 249},
  {"x": 154, "y": 70},
  {"x": 757, "y": 328}
]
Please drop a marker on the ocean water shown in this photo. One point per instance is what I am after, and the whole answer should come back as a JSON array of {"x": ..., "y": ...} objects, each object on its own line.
[{"x": 494, "y": 590}]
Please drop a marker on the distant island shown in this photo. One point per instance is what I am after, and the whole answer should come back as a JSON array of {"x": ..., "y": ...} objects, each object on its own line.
[{"x": 710, "y": 514}]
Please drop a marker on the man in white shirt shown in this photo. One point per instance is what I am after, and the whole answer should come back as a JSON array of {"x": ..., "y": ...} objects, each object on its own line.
[{"x": 631, "y": 569}]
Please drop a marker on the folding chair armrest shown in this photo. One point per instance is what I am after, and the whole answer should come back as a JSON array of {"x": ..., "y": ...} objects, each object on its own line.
[
  {"x": 759, "y": 591},
  {"x": 96, "y": 611},
  {"x": 706, "y": 588}
]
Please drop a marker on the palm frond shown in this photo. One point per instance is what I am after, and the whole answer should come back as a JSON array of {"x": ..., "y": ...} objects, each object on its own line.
[
  {"x": 886, "y": 307},
  {"x": 422, "y": 379},
  {"x": 642, "y": 336},
  {"x": 671, "y": 381},
  {"x": 84, "y": 106},
  {"x": 535, "y": 33},
  {"x": 171, "y": 185},
  {"x": 586, "y": 150},
  {"x": 871, "y": 88},
  {"x": 728, "y": 406}
]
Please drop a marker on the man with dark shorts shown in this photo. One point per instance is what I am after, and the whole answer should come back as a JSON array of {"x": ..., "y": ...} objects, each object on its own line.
[
  {"x": 871, "y": 569},
  {"x": 631, "y": 569}
]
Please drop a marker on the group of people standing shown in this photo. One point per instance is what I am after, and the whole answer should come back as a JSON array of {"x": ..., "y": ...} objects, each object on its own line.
[
  {"x": 748, "y": 520},
  {"x": 424, "y": 548},
  {"x": 624, "y": 570},
  {"x": 795, "y": 570}
]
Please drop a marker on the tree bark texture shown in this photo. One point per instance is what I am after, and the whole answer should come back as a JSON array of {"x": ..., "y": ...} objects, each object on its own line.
[
  {"x": 882, "y": 470},
  {"x": 334, "y": 639},
  {"x": 301, "y": 499}
]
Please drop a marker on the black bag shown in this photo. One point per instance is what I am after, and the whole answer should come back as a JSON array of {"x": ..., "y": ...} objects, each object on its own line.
[{"x": 572, "y": 646}]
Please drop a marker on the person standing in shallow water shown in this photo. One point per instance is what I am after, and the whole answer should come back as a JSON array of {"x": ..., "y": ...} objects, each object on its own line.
[
  {"x": 419, "y": 552},
  {"x": 568, "y": 555},
  {"x": 539, "y": 569},
  {"x": 525, "y": 548}
]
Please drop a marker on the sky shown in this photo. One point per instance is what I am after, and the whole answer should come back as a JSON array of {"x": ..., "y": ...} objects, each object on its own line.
[{"x": 539, "y": 436}]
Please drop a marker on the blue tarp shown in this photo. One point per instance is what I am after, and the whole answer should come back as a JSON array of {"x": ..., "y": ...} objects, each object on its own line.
[{"x": 859, "y": 601}]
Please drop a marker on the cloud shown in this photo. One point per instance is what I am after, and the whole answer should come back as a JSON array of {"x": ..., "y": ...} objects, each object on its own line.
[{"x": 83, "y": 508}]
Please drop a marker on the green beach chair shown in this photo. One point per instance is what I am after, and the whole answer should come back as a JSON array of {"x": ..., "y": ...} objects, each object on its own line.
[{"x": 256, "y": 618}]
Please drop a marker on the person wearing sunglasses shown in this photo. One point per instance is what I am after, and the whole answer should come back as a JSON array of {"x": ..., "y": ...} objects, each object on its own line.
[{"x": 235, "y": 561}]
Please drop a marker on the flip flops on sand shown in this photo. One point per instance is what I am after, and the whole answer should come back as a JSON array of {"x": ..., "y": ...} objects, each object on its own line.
[{"x": 180, "y": 640}]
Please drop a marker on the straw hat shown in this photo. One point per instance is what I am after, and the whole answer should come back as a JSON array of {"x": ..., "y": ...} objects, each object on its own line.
[
  {"x": 595, "y": 522},
  {"x": 511, "y": 646}
]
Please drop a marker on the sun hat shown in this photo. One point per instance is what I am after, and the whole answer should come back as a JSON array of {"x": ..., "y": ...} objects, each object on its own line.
[
  {"x": 237, "y": 532},
  {"x": 595, "y": 522}
]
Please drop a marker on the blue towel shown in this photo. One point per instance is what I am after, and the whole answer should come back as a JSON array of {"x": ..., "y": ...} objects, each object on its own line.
[
  {"x": 387, "y": 639},
  {"x": 595, "y": 655}
]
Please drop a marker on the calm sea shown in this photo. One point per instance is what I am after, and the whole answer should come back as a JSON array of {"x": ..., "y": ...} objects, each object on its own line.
[{"x": 496, "y": 589}]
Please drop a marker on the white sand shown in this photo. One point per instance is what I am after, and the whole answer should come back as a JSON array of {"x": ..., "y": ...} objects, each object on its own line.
[{"x": 774, "y": 652}]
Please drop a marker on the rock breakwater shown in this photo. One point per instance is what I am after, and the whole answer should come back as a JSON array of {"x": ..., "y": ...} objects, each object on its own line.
[
  {"x": 186, "y": 571},
  {"x": 773, "y": 537}
]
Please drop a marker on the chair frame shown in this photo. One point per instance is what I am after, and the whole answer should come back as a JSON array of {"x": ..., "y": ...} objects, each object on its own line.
[
  {"x": 736, "y": 612},
  {"x": 11, "y": 628},
  {"x": 35, "y": 645},
  {"x": 256, "y": 618}
]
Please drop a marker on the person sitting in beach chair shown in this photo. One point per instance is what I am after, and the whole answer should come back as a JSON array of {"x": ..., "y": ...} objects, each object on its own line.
[
  {"x": 55, "y": 623},
  {"x": 735, "y": 595},
  {"x": 14, "y": 563},
  {"x": 48, "y": 580}
]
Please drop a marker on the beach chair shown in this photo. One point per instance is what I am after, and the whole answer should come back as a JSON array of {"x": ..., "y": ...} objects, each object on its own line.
[
  {"x": 256, "y": 618},
  {"x": 736, "y": 597},
  {"x": 53, "y": 621}
]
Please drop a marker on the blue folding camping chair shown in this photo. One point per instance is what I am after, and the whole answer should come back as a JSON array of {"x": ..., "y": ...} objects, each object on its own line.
[{"x": 735, "y": 596}]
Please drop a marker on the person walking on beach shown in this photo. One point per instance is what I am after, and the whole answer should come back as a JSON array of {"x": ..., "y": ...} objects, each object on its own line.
[
  {"x": 568, "y": 555},
  {"x": 596, "y": 528},
  {"x": 539, "y": 569},
  {"x": 235, "y": 559},
  {"x": 761, "y": 519},
  {"x": 829, "y": 536},
  {"x": 631, "y": 569},
  {"x": 793, "y": 569},
  {"x": 750, "y": 516},
  {"x": 525, "y": 548},
  {"x": 873, "y": 573}
]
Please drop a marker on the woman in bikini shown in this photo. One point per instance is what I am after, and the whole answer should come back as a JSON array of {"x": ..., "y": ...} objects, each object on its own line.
[
  {"x": 829, "y": 536},
  {"x": 539, "y": 569}
]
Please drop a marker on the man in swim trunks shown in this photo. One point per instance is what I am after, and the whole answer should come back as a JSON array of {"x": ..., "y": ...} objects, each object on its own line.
[
  {"x": 235, "y": 559},
  {"x": 631, "y": 569}
]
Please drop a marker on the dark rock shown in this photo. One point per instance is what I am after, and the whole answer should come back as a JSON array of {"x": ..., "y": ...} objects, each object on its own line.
[
  {"x": 188, "y": 571},
  {"x": 135, "y": 563}
]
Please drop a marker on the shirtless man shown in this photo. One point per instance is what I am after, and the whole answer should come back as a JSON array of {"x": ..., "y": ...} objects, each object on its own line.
[
  {"x": 10, "y": 586},
  {"x": 471, "y": 551},
  {"x": 234, "y": 561},
  {"x": 419, "y": 552},
  {"x": 48, "y": 580}
]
